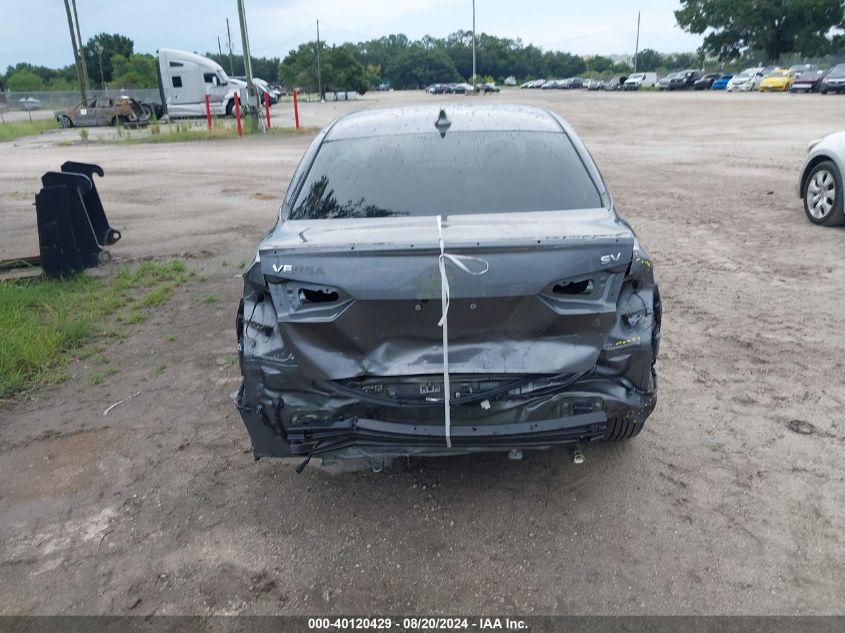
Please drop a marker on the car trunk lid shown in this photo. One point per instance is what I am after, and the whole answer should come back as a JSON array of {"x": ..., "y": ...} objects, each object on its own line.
[{"x": 361, "y": 297}]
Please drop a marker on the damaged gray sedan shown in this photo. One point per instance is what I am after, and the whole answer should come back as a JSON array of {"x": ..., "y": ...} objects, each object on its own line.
[{"x": 444, "y": 282}]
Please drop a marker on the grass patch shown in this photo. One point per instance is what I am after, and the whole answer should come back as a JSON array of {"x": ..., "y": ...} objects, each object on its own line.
[
  {"x": 18, "y": 129},
  {"x": 157, "y": 296},
  {"x": 185, "y": 132},
  {"x": 210, "y": 298},
  {"x": 46, "y": 323},
  {"x": 180, "y": 134},
  {"x": 96, "y": 377}
]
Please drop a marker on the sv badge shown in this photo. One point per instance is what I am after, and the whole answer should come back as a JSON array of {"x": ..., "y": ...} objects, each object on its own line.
[{"x": 611, "y": 259}]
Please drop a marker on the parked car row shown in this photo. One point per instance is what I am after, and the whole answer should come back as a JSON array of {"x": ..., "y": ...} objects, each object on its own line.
[
  {"x": 802, "y": 78},
  {"x": 614, "y": 83},
  {"x": 634, "y": 81},
  {"x": 680, "y": 80},
  {"x": 461, "y": 88},
  {"x": 799, "y": 78}
]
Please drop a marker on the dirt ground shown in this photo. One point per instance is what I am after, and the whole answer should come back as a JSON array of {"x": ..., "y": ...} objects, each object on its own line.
[{"x": 716, "y": 508}]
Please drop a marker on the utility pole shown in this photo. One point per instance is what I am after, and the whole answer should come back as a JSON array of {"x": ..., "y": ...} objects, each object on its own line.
[
  {"x": 637, "y": 45},
  {"x": 219, "y": 48},
  {"x": 81, "y": 50},
  {"x": 75, "y": 54},
  {"x": 229, "y": 35},
  {"x": 99, "y": 48},
  {"x": 319, "y": 77},
  {"x": 473, "y": 46},
  {"x": 250, "y": 88}
]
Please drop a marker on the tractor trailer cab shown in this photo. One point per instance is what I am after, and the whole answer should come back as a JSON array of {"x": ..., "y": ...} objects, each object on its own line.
[{"x": 185, "y": 79}]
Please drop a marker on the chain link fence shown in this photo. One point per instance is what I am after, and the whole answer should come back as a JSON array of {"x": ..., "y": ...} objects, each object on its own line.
[{"x": 63, "y": 99}]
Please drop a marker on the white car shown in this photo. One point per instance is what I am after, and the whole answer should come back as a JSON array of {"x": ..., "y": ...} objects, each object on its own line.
[
  {"x": 640, "y": 80},
  {"x": 820, "y": 180},
  {"x": 746, "y": 81},
  {"x": 28, "y": 104}
]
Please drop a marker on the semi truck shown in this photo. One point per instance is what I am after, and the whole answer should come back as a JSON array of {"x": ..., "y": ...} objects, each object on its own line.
[{"x": 184, "y": 80}]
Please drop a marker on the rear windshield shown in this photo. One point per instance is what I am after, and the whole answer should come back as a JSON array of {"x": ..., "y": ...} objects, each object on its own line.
[{"x": 462, "y": 173}]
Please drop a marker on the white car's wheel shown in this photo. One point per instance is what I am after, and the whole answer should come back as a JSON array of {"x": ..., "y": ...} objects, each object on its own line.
[{"x": 823, "y": 195}]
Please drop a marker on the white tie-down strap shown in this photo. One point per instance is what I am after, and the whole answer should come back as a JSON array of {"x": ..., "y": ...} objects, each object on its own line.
[{"x": 457, "y": 260}]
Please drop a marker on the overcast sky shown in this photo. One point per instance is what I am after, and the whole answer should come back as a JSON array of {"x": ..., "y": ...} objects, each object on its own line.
[{"x": 39, "y": 33}]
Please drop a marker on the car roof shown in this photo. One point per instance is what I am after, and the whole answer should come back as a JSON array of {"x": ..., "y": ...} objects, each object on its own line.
[{"x": 464, "y": 118}]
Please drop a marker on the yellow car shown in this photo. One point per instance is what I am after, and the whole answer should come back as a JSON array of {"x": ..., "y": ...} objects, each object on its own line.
[{"x": 779, "y": 79}]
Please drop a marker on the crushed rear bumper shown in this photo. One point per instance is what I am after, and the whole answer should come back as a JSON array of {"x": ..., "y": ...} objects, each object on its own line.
[
  {"x": 277, "y": 430},
  {"x": 332, "y": 436}
]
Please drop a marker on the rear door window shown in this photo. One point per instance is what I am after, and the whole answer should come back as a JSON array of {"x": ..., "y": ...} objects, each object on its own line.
[{"x": 462, "y": 173}]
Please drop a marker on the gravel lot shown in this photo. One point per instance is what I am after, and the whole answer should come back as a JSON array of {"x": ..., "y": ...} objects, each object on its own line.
[{"x": 716, "y": 508}]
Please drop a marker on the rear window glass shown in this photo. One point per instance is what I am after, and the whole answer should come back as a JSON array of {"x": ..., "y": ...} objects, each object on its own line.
[{"x": 462, "y": 173}]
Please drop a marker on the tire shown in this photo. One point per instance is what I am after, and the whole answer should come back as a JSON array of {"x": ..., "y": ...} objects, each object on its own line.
[
  {"x": 619, "y": 430},
  {"x": 230, "y": 108},
  {"x": 823, "y": 195},
  {"x": 65, "y": 122},
  {"x": 823, "y": 91}
]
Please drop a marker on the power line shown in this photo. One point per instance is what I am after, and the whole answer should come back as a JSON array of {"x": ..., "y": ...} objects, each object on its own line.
[
  {"x": 290, "y": 39},
  {"x": 589, "y": 35},
  {"x": 355, "y": 33}
]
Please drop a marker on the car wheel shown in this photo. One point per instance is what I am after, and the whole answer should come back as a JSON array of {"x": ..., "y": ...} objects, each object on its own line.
[
  {"x": 620, "y": 429},
  {"x": 823, "y": 91},
  {"x": 823, "y": 195},
  {"x": 230, "y": 107},
  {"x": 65, "y": 122}
]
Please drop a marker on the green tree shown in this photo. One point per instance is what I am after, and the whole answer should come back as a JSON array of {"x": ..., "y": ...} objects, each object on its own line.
[
  {"x": 559, "y": 64},
  {"x": 24, "y": 81},
  {"x": 136, "y": 71},
  {"x": 774, "y": 27},
  {"x": 373, "y": 74},
  {"x": 61, "y": 83},
  {"x": 599, "y": 64},
  {"x": 299, "y": 68},
  {"x": 418, "y": 67},
  {"x": 47, "y": 75},
  {"x": 115, "y": 44},
  {"x": 339, "y": 69},
  {"x": 649, "y": 59},
  {"x": 344, "y": 73},
  {"x": 681, "y": 61},
  {"x": 267, "y": 68}
]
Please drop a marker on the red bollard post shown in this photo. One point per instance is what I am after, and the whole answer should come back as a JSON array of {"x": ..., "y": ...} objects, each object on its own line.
[
  {"x": 267, "y": 107},
  {"x": 295, "y": 110},
  {"x": 208, "y": 112},
  {"x": 238, "y": 114}
]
